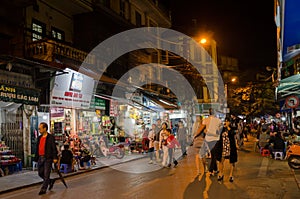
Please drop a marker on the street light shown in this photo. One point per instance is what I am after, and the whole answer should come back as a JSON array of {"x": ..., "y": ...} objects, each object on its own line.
[{"x": 203, "y": 41}]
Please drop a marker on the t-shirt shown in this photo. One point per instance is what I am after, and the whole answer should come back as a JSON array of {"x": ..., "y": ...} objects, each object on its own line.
[
  {"x": 213, "y": 125},
  {"x": 42, "y": 145}
]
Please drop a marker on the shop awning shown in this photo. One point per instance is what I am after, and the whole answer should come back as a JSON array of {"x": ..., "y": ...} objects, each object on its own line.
[
  {"x": 290, "y": 55},
  {"x": 18, "y": 62},
  {"x": 289, "y": 86}
]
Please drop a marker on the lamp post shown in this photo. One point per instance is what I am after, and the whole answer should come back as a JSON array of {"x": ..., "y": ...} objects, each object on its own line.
[{"x": 226, "y": 109}]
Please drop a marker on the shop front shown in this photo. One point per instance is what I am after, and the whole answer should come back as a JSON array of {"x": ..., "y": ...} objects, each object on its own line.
[
  {"x": 72, "y": 116},
  {"x": 18, "y": 100},
  {"x": 288, "y": 95}
]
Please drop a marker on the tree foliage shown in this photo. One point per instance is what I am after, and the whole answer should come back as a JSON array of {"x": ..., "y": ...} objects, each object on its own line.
[{"x": 253, "y": 99}]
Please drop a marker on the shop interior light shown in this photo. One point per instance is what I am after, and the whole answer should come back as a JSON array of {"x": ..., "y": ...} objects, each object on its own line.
[{"x": 167, "y": 103}]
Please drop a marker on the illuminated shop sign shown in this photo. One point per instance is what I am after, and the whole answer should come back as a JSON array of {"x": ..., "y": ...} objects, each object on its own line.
[
  {"x": 72, "y": 90},
  {"x": 98, "y": 103},
  {"x": 291, "y": 27},
  {"x": 19, "y": 95}
]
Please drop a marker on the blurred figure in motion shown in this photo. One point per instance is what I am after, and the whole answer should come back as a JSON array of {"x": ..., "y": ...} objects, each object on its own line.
[{"x": 198, "y": 138}]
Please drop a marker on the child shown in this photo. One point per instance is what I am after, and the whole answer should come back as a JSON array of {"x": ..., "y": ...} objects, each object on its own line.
[{"x": 172, "y": 143}]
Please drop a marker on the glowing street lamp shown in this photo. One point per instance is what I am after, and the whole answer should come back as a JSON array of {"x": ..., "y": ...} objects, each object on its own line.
[{"x": 203, "y": 41}]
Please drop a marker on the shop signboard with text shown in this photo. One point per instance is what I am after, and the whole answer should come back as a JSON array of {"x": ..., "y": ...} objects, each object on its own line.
[
  {"x": 98, "y": 103},
  {"x": 20, "y": 95},
  {"x": 72, "y": 90}
]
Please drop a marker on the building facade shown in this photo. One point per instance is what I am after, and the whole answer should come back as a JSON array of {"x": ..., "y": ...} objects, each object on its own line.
[
  {"x": 288, "y": 67},
  {"x": 46, "y": 41}
]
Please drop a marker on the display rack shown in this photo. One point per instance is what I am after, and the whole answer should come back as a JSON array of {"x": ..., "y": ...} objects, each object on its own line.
[
  {"x": 8, "y": 161},
  {"x": 58, "y": 132}
]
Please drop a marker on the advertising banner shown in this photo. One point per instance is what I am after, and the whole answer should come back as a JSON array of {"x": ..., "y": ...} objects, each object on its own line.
[
  {"x": 72, "y": 90},
  {"x": 291, "y": 29}
]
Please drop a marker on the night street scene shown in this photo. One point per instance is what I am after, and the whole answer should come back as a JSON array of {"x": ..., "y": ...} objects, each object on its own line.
[{"x": 149, "y": 99}]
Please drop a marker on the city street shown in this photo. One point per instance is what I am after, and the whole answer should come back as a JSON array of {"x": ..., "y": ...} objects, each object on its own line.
[{"x": 255, "y": 177}]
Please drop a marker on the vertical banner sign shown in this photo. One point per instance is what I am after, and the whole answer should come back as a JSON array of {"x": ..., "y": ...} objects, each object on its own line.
[{"x": 34, "y": 132}]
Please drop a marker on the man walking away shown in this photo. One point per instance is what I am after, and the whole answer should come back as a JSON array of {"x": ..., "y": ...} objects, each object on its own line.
[
  {"x": 46, "y": 154},
  {"x": 212, "y": 130},
  {"x": 181, "y": 137}
]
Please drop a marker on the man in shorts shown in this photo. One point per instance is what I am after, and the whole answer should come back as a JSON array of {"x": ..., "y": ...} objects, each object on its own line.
[{"x": 212, "y": 130}]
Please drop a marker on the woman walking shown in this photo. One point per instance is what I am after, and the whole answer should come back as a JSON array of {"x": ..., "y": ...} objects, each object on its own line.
[
  {"x": 151, "y": 138},
  {"x": 163, "y": 136},
  {"x": 226, "y": 149},
  {"x": 198, "y": 137}
]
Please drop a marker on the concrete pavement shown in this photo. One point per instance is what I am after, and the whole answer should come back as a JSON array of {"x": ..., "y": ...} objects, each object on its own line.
[
  {"x": 26, "y": 178},
  {"x": 256, "y": 176}
]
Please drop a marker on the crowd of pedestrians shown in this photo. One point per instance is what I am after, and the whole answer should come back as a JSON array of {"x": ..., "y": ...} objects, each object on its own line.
[{"x": 213, "y": 142}]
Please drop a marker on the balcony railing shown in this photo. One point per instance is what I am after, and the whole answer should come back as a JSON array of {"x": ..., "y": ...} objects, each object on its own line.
[{"x": 49, "y": 49}]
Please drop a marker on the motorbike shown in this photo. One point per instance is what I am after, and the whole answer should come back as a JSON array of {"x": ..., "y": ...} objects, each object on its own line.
[
  {"x": 293, "y": 155},
  {"x": 116, "y": 150}
]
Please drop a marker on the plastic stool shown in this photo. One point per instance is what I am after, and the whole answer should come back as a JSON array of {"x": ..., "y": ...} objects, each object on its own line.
[
  {"x": 278, "y": 155},
  {"x": 18, "y": 167},
  {"x": 87, "y": 164},
  {"x": 265, "y": 152},
  {"x": 34, "y": 165},
  {"x": 66, "y": 168}
]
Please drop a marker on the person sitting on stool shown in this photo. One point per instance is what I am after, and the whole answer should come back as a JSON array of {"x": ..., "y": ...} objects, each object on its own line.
[
  {"x": 276, "y": 143},
  {"x": 66, "y": 156},
  {"x": 85, "y": 156}
]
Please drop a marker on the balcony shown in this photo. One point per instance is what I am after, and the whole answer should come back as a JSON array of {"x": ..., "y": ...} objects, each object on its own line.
[{"x": 49, "y": 50}]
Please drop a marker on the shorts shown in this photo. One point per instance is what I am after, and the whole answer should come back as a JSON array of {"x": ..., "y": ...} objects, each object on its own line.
[{"x": 206, "y": 148}]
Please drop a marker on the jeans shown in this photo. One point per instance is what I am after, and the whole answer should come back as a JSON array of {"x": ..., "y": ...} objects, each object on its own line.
[
  {"x": 183, "y": 146},
  {"x": 151, "y": 153},
  {"x": 165, "y": 155},
  {"x": 44, "y": 170}
]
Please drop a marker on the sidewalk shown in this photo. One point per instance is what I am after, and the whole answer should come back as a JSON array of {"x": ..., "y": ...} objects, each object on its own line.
[{"x": 28, "y": 178}]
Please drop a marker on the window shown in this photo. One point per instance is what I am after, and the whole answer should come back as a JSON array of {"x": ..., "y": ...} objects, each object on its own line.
[
  {"x": 58, "y": 34},
  {"x": 38, "y": 30},
  {"x": 138, "y": 19},
  {"x": 122, "y": 8}
]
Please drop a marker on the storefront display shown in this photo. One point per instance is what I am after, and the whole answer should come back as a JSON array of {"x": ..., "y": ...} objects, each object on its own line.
[{"x": 9, "y": 163}]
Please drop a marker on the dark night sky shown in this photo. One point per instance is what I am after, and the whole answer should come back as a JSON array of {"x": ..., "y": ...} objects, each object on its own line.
[{"x": 243, "y": 29}]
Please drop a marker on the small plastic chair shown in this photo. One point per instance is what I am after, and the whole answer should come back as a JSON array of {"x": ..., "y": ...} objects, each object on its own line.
[
  {"x": 66, "y": 168},
  {"x": 278, "y": 155},
  {"x": 265, "y": 152},
  {"x": 87, "y": 164},
  {"x": 18, "y": 166}
]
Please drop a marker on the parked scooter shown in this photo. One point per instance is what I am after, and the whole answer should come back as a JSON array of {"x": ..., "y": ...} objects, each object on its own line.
[
  {"x": 293, "y": 155},
  {"x": 116, "y": 150}
]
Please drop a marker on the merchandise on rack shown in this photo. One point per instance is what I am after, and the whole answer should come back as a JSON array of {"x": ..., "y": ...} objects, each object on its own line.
[{"x": 9, "y": 163}]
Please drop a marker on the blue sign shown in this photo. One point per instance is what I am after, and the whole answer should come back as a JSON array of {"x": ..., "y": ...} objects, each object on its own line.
[{"x": 291, "y": 34}]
